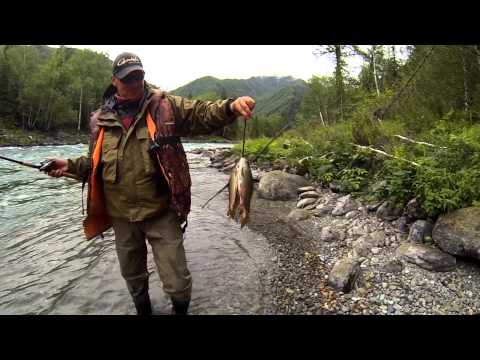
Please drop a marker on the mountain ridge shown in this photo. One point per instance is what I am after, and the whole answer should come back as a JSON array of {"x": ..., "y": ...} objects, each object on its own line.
[{"x": 273, "y": 94}]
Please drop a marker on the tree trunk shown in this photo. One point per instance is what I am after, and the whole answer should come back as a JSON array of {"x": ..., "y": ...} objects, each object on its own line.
[
  {"x": 321, "y": 116},
  {"x": 375, "y": 70},
  {"x": 80, "y": 110},
  {"x": 395, "y": 65},
  {"x": 339, "y": 79},
  {"x": 466, "y": 90},
  {"x": 477, "y": 51}
]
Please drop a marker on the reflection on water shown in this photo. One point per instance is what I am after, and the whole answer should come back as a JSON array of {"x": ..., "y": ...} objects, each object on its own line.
[{"x": 46, "y": 266}]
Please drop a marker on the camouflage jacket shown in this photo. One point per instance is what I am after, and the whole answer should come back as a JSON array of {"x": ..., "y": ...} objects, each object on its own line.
[{"x": 134, "y": 187}]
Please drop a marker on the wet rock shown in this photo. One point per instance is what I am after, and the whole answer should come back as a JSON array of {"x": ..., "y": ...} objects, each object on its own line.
[
  {"x": 280, "y": 164},
  {"x": 302, "y": 166},
  {"x": 310, "y": 207},
  {"x": 458, "y": 233},
  {"x": 426, "y": 257},
  {"x": 330, "y": 234},
  {"x": 322, "y": 210},
  {"x": 227, "y": 168},
  {"x": 414, "y": 210},
  {"x": 278, "y": 185},
  {"x": 334, "y": 187},
  {"x": 344, "y": 274},
  {"x": 305, "y": 202},
  {"x": 373, "y": 207},
  {"x": 298, "y": 215},
  {"x": 419, "y": 230},
  {"x": 375, "y": 250},
  {"x": 344, "y": 205},
  {"x": 351, "y": 214},
  {"x": 389, "y": 211},
  {"x": 306, "y": 189},
  {"x": 402, "y": 224},
  {"x": 309, "y": 194},
  {"x": 363, "y": 245},
  {"x": 393, "y": 266}
]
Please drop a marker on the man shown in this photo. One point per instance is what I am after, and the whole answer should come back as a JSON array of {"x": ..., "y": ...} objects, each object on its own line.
[{"x": 138, "y": 176}]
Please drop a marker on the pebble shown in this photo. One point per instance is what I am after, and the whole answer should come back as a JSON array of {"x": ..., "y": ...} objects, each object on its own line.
[{"x": 411, "y": 291}]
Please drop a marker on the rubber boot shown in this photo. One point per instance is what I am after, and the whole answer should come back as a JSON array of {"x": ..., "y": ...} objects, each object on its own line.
[
  {"x": 143, "y": 305},
  {"x": 180, "y": 307}
]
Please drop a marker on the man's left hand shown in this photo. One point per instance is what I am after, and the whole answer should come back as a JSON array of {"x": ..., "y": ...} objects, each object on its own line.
[{"x": 243, "y": 106}]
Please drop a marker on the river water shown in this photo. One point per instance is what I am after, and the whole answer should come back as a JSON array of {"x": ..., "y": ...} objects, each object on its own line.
[{"x": 47, "y": 267}]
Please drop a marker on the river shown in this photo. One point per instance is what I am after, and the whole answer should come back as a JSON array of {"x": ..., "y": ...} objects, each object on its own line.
[{"x": 47, "y": 266}]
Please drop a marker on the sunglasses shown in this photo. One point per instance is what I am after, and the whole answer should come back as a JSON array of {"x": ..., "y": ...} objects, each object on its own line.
[{"x": 133, "y": 77}]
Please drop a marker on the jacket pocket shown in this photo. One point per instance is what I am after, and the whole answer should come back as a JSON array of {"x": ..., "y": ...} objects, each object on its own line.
[
  {"x": 144, "y": 140},
  {"x": 110, "y": 155}
]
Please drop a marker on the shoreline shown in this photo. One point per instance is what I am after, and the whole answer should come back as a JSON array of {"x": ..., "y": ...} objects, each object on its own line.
[
  {"x": 31, "y": 140},
  {"x": 304, "y": 258}
]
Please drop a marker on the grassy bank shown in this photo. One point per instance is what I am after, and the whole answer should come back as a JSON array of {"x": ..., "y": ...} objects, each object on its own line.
[{"x": 446, "y": 175}]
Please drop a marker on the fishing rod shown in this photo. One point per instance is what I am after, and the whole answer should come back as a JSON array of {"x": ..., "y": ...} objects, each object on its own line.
[
  {"x": 44, "y": 166},
  {"x": 290, "y": 123}
]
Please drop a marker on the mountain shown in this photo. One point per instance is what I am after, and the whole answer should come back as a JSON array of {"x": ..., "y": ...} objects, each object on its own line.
[{"x": 274, "y": 95}]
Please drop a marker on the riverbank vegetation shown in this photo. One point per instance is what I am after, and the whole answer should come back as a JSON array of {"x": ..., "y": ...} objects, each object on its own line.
[{"x": 402, "y": 130}]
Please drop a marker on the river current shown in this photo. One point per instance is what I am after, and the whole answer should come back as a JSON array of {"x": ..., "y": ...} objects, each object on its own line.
[{"x": 47, "y": 266}]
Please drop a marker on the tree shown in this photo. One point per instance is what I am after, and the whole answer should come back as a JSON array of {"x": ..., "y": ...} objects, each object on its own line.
[
  {"x": 319, "y": 97},
  {"x": 339, "y": 53},
  {"x": 371, "y": 57}
]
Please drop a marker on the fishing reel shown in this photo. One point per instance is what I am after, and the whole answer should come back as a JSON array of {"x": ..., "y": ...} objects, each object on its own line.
[{"x": 46, "y": 165}]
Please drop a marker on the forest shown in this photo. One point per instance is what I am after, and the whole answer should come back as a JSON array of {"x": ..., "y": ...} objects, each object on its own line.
[{"x": 405, "y": 127}]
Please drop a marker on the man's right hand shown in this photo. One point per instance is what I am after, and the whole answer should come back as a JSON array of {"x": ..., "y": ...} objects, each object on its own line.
[{"x": 58, "y": 167}]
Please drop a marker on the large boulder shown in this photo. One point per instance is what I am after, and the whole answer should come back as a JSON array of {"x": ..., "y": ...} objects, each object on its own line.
[
  {"x": 414, "y": 210},
  {"x": 279, "y": 185},
  {"x": 420, "y": 230},
  {"x": 306, "y": 202},
  {"x": 344, "y": 274},
  {"x": 426, "y": 257},
  {"x": 344, "y": 205},
  {"x": 389, "y": 211},
  {"x": 309, "y": 194},
  {"x": 364, "y": 244},
  {"x": 330, "y": 234},
  {"x": 298, "y": 215},
  {"x": 458, "y": 233}
]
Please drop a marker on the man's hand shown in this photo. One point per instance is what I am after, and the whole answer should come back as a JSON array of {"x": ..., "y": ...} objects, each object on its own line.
[
  {"x": 58, "y": 167},
  {"x": 243, "y": 106}
]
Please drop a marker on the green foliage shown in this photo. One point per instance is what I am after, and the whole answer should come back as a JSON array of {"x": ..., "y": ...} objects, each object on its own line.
[
  {"x": 353, "y": 179},
  {"x": 44, "y": 85},
  {"x": 275, "y": 96}
]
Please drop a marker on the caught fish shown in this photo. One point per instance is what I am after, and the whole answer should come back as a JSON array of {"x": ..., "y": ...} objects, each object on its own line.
[{"x": 241, "y": 190}]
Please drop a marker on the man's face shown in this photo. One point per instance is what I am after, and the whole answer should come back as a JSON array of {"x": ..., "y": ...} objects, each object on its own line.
[{"x": 130, "y": 87}]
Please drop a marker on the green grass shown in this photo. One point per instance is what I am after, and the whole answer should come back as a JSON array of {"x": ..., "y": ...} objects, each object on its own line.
[{"x": 447, "y": 179}]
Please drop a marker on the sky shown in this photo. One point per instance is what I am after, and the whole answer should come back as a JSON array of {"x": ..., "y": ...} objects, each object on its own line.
[{"x": 172, "y": 66}]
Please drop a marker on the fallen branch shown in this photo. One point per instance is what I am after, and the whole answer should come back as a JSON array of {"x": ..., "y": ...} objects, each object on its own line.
[
  {"x": 385, "y": 154},
  {"x": 418, "y": 142}
]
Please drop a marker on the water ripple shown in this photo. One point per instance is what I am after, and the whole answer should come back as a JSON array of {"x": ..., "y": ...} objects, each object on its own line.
[{"x": 46, "y": 266}]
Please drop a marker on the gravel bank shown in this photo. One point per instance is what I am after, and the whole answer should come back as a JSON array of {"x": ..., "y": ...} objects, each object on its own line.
[{"x": 386, "y": 284}]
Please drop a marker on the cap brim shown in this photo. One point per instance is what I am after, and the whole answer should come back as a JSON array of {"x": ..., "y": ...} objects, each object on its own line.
[{"x": 124, "y": 72}]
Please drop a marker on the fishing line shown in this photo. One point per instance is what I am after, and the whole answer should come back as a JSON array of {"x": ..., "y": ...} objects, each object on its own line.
[
  {"x": 244, "y": 133},
  {"x": 256, "y": 157}
]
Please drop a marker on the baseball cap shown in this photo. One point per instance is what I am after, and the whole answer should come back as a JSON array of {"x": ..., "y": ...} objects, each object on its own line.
[{"x": 125, "y": 63}]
